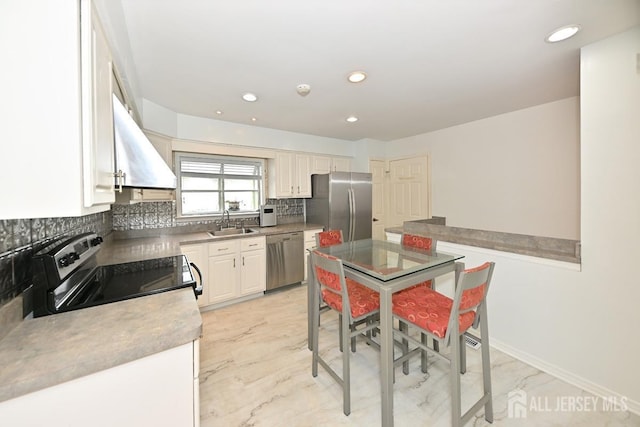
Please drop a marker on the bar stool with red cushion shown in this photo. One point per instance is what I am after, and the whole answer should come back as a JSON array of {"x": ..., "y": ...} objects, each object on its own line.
[
  {"x": 324, "y": 239},
  {"x": 354, "y": 302},
  {"x": 446, "y": 320},
  {"x": 420, "y": 243}
]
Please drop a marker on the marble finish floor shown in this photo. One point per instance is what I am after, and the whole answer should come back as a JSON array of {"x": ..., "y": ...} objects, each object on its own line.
[{"x": 255, "y": 370}]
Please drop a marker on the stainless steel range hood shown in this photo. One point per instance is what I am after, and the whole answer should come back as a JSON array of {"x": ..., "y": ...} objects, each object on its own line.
[{"x": 138, "y": 163}]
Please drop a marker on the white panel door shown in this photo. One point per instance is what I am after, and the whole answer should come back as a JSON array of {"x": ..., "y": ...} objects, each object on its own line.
[
  {"x": 379, "y": 208},
  {"x": 409, "y": 190}
]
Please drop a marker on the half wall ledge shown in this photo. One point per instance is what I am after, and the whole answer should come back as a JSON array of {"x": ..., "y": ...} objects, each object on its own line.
[{"x": 543, "y": 247}]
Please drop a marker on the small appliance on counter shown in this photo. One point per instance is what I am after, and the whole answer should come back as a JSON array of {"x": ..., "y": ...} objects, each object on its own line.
[{"x": 268, "y": 216}]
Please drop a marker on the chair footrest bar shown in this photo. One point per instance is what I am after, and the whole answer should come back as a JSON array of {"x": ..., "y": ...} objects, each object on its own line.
[
  {"x": 474, "y": 409},
  {"x": 401, "y": 359},
  {"x": 331, "y": 372},
  {"x": 420, "y": 345}
]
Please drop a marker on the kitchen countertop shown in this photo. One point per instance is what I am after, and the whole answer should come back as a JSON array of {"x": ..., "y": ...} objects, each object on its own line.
[
  {"x": 50, "y": 350},
  {"x": 114, "y": 251}
]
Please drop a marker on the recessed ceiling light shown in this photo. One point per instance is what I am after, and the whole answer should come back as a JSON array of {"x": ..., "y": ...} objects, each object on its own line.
[
  {"x": 357, "y": 76},
  {"x": 562, "y": 33},
  {"x": 253, "y": 119},
  {"x": 219, "y": 112},
  {"x": 250, "y": 97},
  {"x": 352, "y": 119}
]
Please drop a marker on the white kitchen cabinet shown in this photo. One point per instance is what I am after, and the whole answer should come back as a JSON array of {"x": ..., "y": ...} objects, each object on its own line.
[
  {"x": 223, "y": 271},
  {"x": 197, "y": 254},
  {"x": 290, "y": 175},
  {"x": 157, "y": 390},
  {"x": 97, "y": 110},
  {"x": 236, "y": 268},
  {"x": 321, "y": 164},
  {"x": 253, "y": 270},
  {"x": 326, "y": 164},
  {"x": 309, "y": 242},
  {"x": 341, "y": 164},
  {"x": 56, "y": 111}
]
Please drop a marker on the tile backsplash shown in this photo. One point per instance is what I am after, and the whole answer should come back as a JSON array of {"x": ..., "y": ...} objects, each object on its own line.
[
  {"x": 154, "y": 215},
  {"x": 19, "y": 237}
]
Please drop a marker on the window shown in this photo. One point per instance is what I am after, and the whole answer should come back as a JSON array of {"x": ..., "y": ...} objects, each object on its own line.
[{"x": 207, "y": 185}]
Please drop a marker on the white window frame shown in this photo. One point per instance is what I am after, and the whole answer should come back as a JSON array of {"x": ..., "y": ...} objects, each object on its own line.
[{"x": 179, "y": 156}]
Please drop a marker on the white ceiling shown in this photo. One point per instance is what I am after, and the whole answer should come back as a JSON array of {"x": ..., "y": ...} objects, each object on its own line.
[{"x": 431, "y": 64}]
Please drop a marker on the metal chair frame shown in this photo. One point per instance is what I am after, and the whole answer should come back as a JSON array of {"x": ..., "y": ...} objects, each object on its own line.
[
  {"x": 348, "y": 328},
  {"x": 455, "y": 339}
]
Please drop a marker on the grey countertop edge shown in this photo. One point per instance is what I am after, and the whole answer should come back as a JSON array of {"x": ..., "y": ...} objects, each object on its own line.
[
  {"x": 51, "y": 350},
  {"x": 565, "y": 250}
]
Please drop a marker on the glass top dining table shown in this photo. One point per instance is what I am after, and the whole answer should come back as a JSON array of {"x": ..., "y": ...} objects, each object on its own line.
[{"x": 385, "y": 267}]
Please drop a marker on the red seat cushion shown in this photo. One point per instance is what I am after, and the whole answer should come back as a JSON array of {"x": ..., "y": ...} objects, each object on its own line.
[
  {"x": 429, "y": 310},
  {"x": 362, "y": 300}
]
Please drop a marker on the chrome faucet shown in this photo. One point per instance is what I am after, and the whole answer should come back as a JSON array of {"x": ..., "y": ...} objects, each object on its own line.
[{"x": 226, "y": 211}]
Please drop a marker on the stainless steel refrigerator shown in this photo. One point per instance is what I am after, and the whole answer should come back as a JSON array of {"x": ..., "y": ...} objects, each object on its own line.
[{"x": 341, "y": 200}]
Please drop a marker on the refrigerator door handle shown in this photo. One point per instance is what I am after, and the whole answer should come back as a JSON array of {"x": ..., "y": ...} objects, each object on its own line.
[{"x": 352, "y": 215}]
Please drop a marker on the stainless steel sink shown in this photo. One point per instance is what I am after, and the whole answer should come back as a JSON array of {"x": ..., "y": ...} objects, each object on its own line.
[{"x": 231, "y": 232}]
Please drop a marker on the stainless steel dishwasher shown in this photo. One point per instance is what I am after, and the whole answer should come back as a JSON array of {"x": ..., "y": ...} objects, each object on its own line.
[{"x": 285, "y": 259}]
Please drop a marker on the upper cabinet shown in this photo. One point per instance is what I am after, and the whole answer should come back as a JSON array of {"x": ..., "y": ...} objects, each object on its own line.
[
  {"x": 341, "y": 164},
  {"x": 57, "y": 112},
  {"x": 326, "y": 164},
  {"x": 97, "y": 110},
  {"x": 289, "y": 175}
]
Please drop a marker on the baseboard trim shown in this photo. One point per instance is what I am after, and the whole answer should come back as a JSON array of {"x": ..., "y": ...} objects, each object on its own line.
[{"x": 580, "y": 382}]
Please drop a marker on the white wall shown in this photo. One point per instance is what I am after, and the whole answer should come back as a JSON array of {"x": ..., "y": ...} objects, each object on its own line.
[
  {"x": 609, "y": 293},
  {"x": 516, "y": 172},
  {"x": 182, "y": 126},
  {"x": 578, "y": 325}
]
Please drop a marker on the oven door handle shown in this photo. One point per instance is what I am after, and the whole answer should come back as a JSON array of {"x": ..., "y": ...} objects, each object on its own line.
[{"x": 197, "y": 289}]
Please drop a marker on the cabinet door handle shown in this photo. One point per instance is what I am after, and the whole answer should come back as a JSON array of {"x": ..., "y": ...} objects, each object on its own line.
[
  {"x": 234, "y": 263},
  {"x": 243, "y": 261},
  {"x": 120, "y": 177},
  {"x": 254, "y": 244},
  {"x": 292, "y": 189}
]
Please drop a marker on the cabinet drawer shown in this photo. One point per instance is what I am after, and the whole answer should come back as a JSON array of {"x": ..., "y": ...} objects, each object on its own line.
[
  {"x": 223, "y": 248},
  {"x": 310, "y": 236},
  {"x": 252, "y": 244}
]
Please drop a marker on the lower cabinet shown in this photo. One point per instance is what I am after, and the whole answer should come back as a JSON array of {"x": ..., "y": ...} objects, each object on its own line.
[
  {"x": 309, "y": 242},
  {"x": 236, "y": 268},
  {"x": 157, "y": 390}
]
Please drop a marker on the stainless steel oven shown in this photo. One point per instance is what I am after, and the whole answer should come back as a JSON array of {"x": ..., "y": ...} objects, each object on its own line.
[{"x": 66, "y": 276}]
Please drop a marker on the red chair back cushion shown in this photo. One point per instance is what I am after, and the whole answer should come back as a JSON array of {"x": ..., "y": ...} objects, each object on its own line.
[{"x": 330, "y": 238}]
